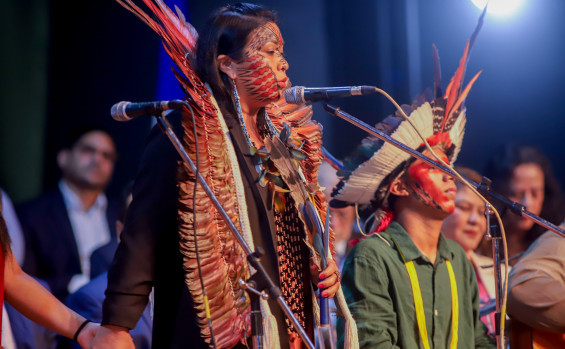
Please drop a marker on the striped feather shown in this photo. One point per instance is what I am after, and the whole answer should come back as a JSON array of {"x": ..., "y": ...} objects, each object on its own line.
[
  {"x": 221, "y": 257},
  {"x": 438, "y": 110}
]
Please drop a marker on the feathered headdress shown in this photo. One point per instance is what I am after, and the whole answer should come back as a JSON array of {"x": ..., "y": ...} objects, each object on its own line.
[{"x": 440, "y": 119}]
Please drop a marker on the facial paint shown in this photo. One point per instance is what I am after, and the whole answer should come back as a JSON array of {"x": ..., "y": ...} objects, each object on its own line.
[
  {"x": 255, "y": 71},
  {"x": 429, "y": 186}
]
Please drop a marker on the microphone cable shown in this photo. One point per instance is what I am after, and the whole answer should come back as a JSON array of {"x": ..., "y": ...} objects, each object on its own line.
[{"x": 489, "y": 207}]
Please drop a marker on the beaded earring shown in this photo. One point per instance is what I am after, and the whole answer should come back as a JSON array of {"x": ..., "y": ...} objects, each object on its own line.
[{"x": 240, "y": 116}]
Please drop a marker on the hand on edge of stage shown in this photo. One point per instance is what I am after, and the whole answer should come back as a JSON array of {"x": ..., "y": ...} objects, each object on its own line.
[
  {"x": 328, "y": 280},
  {"x": 115, "y": 337},
  {"x": 86, "y": 336}
]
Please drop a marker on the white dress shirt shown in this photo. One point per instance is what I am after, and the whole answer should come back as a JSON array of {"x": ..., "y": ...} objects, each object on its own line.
[
  {"x": 90, "y": 228},
  {"x": 7, "y": 335}
]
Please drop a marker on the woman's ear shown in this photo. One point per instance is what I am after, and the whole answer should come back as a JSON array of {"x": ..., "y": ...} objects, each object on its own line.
[
  {"x": 226, "y": 66},
  {"x": 399, "y": 187}
]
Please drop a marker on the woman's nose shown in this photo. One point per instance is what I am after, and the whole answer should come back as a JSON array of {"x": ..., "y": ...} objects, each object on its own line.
[
  {"x": 473, "y": 218},
  {"x": 527, "y": 200},
  {"x": 283, "y": 65}
]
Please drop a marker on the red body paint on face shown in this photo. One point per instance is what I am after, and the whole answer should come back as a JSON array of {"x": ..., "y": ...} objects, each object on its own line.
[
  {"x": 431, "y": 185},
  {"x": 262, "y": 80},
  {"x": 263, "y": 60}
]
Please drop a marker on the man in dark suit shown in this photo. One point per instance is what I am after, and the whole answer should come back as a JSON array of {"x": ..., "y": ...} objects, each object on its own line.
[
  {"x": 64, "y": 226},
  {"x": 87, "y": 300}
]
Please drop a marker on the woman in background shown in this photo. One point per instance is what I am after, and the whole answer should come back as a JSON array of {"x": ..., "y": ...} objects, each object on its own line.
[
  {"x": 467, "y": 226},
  {"x": 523, "y": 174}
]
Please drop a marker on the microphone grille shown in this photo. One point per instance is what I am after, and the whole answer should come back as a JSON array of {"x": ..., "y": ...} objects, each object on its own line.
[
  {"x": 118, "y": 111},
  {"x": 294, "y": 95}
]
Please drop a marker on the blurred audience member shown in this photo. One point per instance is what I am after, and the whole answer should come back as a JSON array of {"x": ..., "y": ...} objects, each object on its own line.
[
  {"x": 63, "y": 226},
  {"x": 467, "y": 225},
  {"x": 87, "y": 301},
  {"x": 16, "y": 328},
  {"x": 327, "y": 178},
  {"x": 102, "y": 257},
  {"x": 523, "y": 174},
  {"x": 31, "y": 299},
  {"x": 537, "y": 285},
  {"x": 342, "y": 220}
]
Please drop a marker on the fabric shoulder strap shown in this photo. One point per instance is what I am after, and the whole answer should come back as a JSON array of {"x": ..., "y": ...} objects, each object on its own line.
[{"x": 419, "y": 303}]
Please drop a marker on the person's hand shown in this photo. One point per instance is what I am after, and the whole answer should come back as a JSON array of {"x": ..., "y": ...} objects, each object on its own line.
[
  {"x": 115, "y": 337},
  {"x": 328, "y": 279},
  {"x": 86, "y": 336}
]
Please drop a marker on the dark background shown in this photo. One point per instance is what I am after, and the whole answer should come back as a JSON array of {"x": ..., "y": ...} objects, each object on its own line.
[{"x": 65, "y": 65}]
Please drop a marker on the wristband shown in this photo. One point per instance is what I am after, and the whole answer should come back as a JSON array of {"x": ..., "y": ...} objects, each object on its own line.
[{"x": 80, "y": 328}]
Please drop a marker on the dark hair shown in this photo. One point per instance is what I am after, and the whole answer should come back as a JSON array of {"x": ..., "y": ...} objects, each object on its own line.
[
  {"x": 73, "y": 137},
  {"x": 468, "y": 173},
  {"x": 226, "y": 33},
  {"x": 500, "y": 169}
]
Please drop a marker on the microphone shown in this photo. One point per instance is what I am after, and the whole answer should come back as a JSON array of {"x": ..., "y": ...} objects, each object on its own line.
[
  {"x": 126, "y": 111},
  {"x": 301, "y": 94}
]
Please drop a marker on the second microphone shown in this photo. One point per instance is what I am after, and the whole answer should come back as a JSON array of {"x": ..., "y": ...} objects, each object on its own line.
[{"x": 301, "y": 94}]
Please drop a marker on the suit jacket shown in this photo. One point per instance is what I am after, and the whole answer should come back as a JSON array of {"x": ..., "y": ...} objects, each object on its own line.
[
  {"x": 148, "y": 253},
  {"x": 87, "y": 301},
  {"x": 102, "y": 257},
  {"x": 51, "y": 250}
]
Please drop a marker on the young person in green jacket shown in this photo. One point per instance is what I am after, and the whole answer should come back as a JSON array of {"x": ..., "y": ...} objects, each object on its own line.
[{"x": 406, "y": 285}]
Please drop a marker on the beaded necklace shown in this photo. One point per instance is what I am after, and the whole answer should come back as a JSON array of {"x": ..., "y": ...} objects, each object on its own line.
[{"x": 288, "y": 230}]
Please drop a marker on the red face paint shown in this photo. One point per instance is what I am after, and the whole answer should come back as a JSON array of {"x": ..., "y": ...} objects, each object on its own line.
[
  {"x": 262, "y": 71},
  {"x": 431, "y": 185}
]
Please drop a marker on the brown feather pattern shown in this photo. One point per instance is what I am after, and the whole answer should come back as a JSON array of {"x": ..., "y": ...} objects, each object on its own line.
[{"x": 221, "y": 257}]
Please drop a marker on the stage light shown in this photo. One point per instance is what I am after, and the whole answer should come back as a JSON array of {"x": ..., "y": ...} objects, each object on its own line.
[{"x": 499, "y": 7}]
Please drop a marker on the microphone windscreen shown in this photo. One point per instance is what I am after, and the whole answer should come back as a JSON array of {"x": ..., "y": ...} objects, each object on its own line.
[
  {"x": 118, "y": 111},
  {"x": 294, "y": 95}
]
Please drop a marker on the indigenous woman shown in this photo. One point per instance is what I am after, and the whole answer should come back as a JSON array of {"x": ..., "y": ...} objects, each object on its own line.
[
  {"x": 175, "y": 239},
  {"x": 524, "y": 174},
  {"x": 467, "y": 225}
]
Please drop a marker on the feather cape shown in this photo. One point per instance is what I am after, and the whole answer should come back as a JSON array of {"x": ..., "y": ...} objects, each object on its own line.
[{"x": 222, "y": 259}]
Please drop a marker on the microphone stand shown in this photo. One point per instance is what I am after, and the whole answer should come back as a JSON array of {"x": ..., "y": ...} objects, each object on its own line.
[
  {"x": 260, "y": 280},
  {"x": 483, "y": 188},
  {"x": 495, "y": 235}
]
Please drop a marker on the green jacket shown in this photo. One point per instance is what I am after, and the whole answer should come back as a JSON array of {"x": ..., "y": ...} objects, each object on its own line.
[{"x": 377, "y": 288}]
